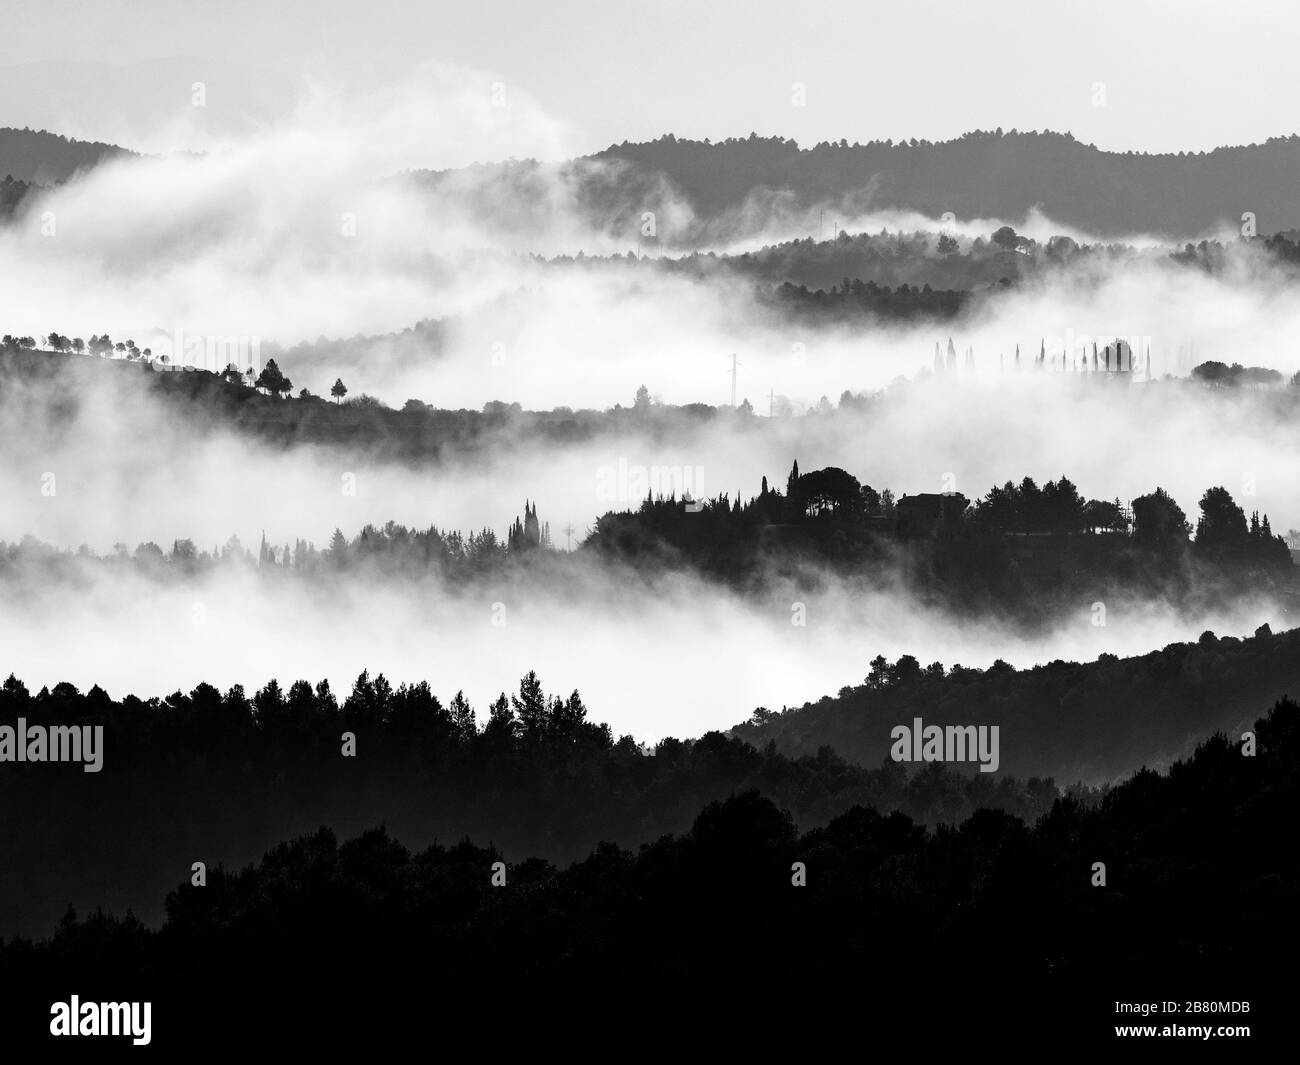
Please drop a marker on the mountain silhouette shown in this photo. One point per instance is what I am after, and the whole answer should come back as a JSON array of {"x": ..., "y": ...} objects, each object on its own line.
[{"x": 735, "y": 184}]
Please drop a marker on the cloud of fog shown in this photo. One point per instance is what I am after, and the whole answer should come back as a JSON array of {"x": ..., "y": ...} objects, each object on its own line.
[
  {"x": 288, "y": 232},
  {"x": 128, "y": 466},
  {"x": 670, "y": 656},
  {"x": 305, "y": 227},
  {"x": 590, "y": 335},
  {"x": 296, "y": 232}
]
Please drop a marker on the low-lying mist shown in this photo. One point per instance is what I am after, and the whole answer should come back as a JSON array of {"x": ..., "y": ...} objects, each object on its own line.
[
  {"x": 308, "y": 229},
  {"x": 654, "y": 656},
  {"x": 108, "y": 461}
]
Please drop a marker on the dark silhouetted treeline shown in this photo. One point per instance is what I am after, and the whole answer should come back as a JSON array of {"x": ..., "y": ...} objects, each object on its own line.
[
  {"x": 1023, "y": 549},
  {"x": 1026, "y": 553},
  {"x": 216, "y": 776},
  {"x": 999, "y": 925},
  {"x": 1069, "y": 720},
  {"x": 1028, "y": 549},
  {"x": 361, "y": 426},
  {"x": 419, "y": 432}
]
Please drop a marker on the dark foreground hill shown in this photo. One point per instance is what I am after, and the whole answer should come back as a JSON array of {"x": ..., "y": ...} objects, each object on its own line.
[
  {"x": 1180, "y": 888},
  {"x": 220, "y": 777}
]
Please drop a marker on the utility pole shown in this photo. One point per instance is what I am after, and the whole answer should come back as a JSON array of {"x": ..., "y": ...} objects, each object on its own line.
[
  {"x": 771, "y": 402},
  {"x": 568, "y": 532},
  {"x": 821, "y": 223},
  {"x": 734, "y": 364}
]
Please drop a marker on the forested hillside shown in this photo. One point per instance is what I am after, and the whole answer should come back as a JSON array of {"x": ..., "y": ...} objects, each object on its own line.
[
  {"x": 980, "y": 175},
  {"x": 1172, "y": 881},
  {"x": 1069, "y": 720},
  {"x": 42, "y": 158}
]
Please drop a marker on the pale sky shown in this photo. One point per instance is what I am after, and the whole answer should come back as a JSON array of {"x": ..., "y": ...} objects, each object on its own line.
[{"x": 1177, "y": 75}]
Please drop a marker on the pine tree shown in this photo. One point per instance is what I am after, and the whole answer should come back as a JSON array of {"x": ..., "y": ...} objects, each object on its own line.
[
  {"x": 569, "y": 716},
  {"x": 532, "y": 533},
  {"x": 501, "y": 724},
  {"x": 462, "y": 716},
  {"x": 530, "y": 706},
  {"x": 338, "y": 549},
  {"x": 273, "y": 380}
]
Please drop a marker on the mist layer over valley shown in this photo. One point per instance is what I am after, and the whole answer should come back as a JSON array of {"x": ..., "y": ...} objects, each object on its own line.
[
  {"x": 456, "y": 289},
  {"x": 647, "y": 655},
  {"x": 647, "y": 499},
  {"x": 394, "y": 229},
  {"x": 99, "y": 456}
]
